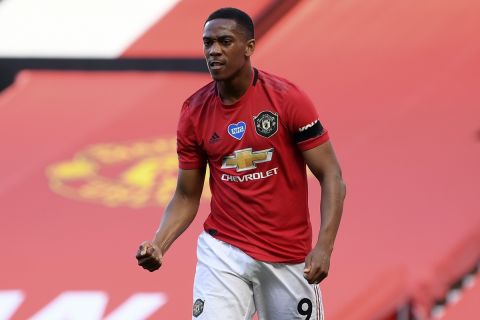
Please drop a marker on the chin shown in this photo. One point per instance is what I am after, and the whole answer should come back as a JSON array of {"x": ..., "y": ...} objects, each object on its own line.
[{"x": 218, "y": 77}]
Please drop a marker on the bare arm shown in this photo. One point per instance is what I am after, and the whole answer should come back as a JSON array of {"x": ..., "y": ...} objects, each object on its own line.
[
  {"x": 178, "y": 215},
  {"x": 324, "y": 165}
]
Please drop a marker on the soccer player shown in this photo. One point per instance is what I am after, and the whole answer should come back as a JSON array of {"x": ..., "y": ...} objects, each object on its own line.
[{"x": 257, "y": 132}]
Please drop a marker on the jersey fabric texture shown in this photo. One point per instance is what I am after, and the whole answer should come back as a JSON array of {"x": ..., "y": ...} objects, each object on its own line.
[{"x": 258, "y": 175}]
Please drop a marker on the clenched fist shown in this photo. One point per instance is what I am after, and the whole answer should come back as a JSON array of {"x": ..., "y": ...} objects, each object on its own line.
[
  {"x": 149, "y": 256},
  {"x": 317, "y": 264}
]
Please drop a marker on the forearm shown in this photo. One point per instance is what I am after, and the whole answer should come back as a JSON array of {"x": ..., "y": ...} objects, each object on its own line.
[
  {"x": 331, "y": 207},
  {"x": 178, "y": 215}
]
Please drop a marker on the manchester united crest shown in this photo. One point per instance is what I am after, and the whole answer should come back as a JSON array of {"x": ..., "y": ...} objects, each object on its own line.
[
  {"x": 198, "y": 307},
  {"x": 266, "y": 123}
]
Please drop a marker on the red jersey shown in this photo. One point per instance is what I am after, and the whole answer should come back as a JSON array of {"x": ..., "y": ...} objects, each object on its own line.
[{"x": 258, "y": 176}]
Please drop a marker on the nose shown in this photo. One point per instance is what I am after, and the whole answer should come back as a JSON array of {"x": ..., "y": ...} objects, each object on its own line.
[{"x": 215, "y": 49}]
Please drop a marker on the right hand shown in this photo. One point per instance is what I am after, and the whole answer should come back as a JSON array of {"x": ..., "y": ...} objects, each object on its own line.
[{"x": 149, "y": 256}]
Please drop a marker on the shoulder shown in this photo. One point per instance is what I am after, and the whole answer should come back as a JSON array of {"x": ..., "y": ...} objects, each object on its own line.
[
  {"x": 280, "y": 86},
  {"x": 200, "y": 97}
]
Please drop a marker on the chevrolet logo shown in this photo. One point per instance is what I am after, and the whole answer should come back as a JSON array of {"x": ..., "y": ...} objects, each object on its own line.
[{"x": 246, "y": 159}]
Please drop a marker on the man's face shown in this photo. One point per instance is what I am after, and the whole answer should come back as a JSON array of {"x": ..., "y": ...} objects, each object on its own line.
[{"x": 225, "y": 47}]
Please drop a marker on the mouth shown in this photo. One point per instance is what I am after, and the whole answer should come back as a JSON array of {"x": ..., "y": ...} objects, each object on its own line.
[{"x": 215, "y": 64}]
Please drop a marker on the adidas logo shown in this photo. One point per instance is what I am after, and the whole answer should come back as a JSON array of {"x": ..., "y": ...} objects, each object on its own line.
[{"x": 214, "y": 138}]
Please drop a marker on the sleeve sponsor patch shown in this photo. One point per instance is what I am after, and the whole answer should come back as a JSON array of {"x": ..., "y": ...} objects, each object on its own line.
[{"x": 311, "y": 130}]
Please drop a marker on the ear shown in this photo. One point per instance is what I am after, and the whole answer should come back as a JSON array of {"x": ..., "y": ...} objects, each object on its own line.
[{"x": 250, "y": 47}]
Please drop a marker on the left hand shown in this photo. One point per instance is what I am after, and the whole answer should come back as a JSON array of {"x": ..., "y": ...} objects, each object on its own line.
[{"x": 317, "y": 264}]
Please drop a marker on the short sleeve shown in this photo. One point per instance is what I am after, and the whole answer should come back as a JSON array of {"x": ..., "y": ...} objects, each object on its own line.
[
  {"x": 190, "y": 155},
  {"x": 304, "y": 122}
]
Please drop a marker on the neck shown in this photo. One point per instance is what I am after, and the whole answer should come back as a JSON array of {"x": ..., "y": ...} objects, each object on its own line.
[{"x": 233, "y": 89}]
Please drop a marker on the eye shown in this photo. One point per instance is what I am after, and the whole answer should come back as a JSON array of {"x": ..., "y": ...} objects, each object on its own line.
[
  {"x": 226, "y": 41},
  {"x": 207, "y": 42}
]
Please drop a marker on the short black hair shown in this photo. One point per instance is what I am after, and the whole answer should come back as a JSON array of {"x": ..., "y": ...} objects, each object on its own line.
[{"x": 240, "y": 17}]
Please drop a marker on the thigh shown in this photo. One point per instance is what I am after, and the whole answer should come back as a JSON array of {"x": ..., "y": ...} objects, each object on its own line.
[
  {"x": 219, "y": 291},
  {"x": 282, "y": 293}
]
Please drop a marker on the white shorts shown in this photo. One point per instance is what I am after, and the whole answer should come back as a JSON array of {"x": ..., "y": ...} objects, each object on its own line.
[{"x": 230, "y": 285}]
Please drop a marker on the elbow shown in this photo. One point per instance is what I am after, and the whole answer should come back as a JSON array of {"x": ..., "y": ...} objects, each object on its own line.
[
  {"x": 335, "y": 181},
  {"x": 343, "y": 188},
  {"x": 341, "y": 183}
]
